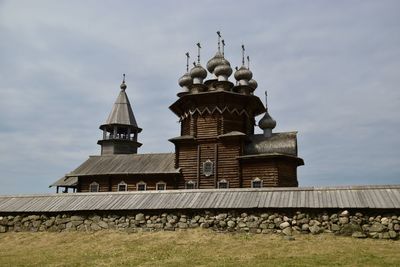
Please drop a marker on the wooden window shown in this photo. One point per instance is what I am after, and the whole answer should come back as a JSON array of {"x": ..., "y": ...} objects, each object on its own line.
[
  {"x": 257, "y": 183},
  {"x": 94, "y": 187},
  {"x": 161, "y": 186},
  {"x": 191, "y": 185},
  {"x": 208, "y": 168},
  {"x": 223, "y": 184},
  {"x": 141, "y": 186},
  {"x": 122, "y": 186}
]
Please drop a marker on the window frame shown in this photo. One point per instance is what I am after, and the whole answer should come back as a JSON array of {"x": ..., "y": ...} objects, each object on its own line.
[
  {"x": 257, "y": 180},
  {"x": 223, "y": 181},
  {"x": 191, "y": 182},
  {"x": 124, "y": 184},
  {"x": 141, "y": 183},
  {"x": 161, "y": 183},
  {"x": 211, "y": 167},
  {"x": 94, "y": 184}
]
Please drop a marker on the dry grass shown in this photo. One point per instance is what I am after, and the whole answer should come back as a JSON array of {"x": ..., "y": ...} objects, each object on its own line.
[{"x": 192, "y": 248}]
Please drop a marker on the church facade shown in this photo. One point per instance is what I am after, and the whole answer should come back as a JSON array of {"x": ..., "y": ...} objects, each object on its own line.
[{"x": 216, "y": 148}]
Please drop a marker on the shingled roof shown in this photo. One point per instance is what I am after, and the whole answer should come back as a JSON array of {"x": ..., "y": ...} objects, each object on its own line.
[
  {"x": 69, "y": 181},
  {"x": 121, "y": 112},
  {"x": 161, "y": 163}
]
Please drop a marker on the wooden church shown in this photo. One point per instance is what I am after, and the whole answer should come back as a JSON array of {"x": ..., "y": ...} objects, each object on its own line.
[{"x": 216, "y": 148}]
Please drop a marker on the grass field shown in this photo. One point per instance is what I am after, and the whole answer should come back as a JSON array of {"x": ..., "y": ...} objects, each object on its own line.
[{"x": 192, "y": 248}]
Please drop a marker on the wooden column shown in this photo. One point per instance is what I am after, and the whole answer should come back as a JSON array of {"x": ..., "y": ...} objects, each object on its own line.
[
  {"x": 115, "y": 132},
  {"x": 240, "y": 165},
  {"x": 198, "y": 166},
  {"x": 215, "y": 165}
]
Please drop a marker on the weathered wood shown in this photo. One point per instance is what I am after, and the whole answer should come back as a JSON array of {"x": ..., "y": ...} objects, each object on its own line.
[{"x": 373, "y": 197}]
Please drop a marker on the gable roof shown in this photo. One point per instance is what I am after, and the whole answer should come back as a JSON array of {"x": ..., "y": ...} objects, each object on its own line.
[{"x": 161, "y": 163}]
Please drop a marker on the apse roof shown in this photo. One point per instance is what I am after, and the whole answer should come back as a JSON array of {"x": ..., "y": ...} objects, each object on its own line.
[{"x": 279, "y": 143}]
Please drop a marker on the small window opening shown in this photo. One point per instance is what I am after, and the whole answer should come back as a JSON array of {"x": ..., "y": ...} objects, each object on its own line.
[
  {"x": 191, "y": 185},
  {"x": 161, "y": 186},
  {"x": 122, "y": 186},
  {"x": 256, "y": 183},
  {"x": 141, "y": 186},
  {"x": 94, "y": 187},
  {"x": 223, "y": 184}
]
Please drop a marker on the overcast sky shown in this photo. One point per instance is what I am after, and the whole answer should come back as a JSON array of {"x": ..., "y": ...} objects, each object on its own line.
[{"x": 332, "y": 70}]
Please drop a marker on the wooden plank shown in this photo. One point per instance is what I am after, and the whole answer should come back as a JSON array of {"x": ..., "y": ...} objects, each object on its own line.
[
  {"x": 394, "y": 196},
  {"x": 231, "y": 200},
  {"x": 388, "y": 199},
  {"x": 379, "y": 201},
  {"x": 283, "y": 198},
  {"x": 369, "y": 198},
  {"x": 372, "y": 197}
]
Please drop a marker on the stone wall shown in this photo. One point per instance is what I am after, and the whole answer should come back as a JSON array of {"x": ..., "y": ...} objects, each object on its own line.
[{"x": 384, "y": 225}]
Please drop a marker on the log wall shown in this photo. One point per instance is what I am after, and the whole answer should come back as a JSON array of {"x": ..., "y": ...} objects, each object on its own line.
[
  {"x": 287, "y": 173},
  {"x": 185, "y": 127},
  {"x": 233, "y": 122},
  {"x": 207, "y": 126},
  {"x": 187, "y": 156},
  {"x": 267, "y": 171},
  {"x": 110, "y": 183},
  {"x": 228, "y": 164}
]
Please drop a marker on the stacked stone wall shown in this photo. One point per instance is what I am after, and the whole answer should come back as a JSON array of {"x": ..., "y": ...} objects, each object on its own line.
[{"x": 378, "y": 224}]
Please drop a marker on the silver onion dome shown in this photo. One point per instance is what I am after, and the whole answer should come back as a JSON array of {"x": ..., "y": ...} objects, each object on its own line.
[
  {"x": 223, "y": 72},
  {"x": 185, "y": 80},
  {"x": 215, "y": 61},
  {"x": 253, "y": 84},
  {"x": 243, "y": 73},
  {"x": 198, "y": 73},
  {"x": 267, "y": 122}
]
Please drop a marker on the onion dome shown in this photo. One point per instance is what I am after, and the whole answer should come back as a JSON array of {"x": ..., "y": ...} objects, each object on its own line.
[
  {"x": 123, "y": 85},
  {"x": 243, "y": 73},
  {"x": 253, "y": 84},
  {"x": 223, "y": 72},
  {"x": 267, "y": 122},
  {"x": 216, "y": 61},
  {"x": 198, "y": 73},
  {"x": 185, "y": 80}
]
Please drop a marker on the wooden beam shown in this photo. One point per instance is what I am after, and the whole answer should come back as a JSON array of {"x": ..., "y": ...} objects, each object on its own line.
[
  {"x": 198, "y": 166},
  {"x": 215, "y": 165}
]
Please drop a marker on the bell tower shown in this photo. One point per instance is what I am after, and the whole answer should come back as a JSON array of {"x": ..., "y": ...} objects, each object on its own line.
[{"x": 120, "y": 131}]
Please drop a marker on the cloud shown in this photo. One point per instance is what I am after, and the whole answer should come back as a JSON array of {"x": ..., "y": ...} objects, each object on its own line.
[{"x": 331, "y": 70}]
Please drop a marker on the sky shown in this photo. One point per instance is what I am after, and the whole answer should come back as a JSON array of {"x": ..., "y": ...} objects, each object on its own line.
[{"x": 331, "y": 69}]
